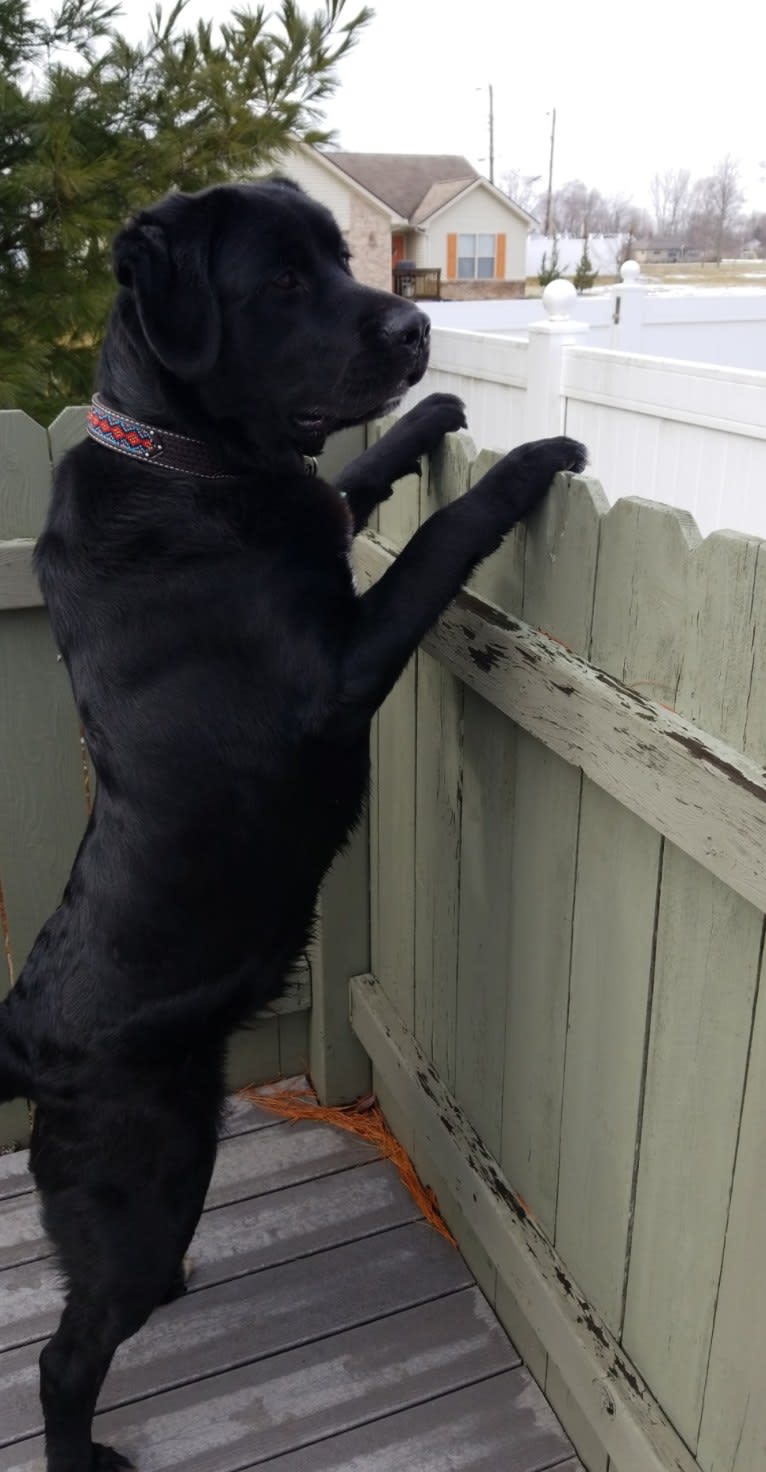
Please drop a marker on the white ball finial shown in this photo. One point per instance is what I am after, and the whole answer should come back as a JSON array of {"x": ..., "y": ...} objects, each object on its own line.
[
  {"x": 630, "y": 272},
  {"x": 558, "y": 298}
]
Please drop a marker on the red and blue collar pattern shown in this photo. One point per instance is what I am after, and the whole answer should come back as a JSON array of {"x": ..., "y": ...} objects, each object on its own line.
[
  {"x": 119, "y": 432},
  {"x": 161, "y": 447}
]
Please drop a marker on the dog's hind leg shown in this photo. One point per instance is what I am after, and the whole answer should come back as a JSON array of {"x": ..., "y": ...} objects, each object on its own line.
[
  {"x": 73, "y": 1366},
  {"x": 121, "y": 1248},
  {"x": 180, "y": 1282}
]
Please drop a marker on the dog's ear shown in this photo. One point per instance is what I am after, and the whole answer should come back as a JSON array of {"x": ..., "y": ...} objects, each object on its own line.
[
  {"x": 285, "y": 183},
  {"x": 163, "y": 257}
]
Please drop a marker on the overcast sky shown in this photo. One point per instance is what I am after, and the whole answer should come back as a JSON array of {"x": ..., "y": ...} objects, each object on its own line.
[{"x": 636, "y": 88}]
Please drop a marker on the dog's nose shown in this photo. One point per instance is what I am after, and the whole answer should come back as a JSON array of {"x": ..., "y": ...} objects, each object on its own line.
[{"x": 404, "y": 326}]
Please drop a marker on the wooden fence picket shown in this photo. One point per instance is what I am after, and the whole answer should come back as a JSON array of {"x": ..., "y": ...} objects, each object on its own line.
[
  {"x": 438, "y": 806},
  {"x": 42, "y": 801},
  {"x": 708, "y": 959}
]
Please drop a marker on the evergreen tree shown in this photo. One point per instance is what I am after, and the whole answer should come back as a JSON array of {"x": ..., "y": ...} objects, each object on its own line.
[
  {"x": 552, "y": 272},
  {"x": 584, "y": 276},
  {"x": 93, "y": 127}
]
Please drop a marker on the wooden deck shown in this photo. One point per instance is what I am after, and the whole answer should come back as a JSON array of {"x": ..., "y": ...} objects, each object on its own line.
[{"x": 327, "y": 1328}]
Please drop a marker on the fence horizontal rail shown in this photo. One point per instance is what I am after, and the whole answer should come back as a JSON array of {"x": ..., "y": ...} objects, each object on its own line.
[{"x": 702, "y": 794}]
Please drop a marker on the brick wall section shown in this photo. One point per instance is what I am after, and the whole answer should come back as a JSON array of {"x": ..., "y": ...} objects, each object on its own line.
[
  {"x": 481, "y": 291},
  {"x": 369, "y": 238}
]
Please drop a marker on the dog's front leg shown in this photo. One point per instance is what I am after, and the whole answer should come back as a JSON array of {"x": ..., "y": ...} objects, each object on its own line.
[
  {"x": 400, "y": 609},
  {"x": 369, "y": 479}
]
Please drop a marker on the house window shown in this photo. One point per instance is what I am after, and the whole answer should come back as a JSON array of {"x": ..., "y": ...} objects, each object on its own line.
[{"x": 476, "y": 257}]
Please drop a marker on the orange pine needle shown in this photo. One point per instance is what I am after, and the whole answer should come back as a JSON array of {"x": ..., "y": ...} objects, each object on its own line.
[{"x": 365, "y": 1119}]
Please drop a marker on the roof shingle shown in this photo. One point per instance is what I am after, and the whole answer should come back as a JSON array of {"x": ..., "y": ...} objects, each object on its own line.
[{"x": 403, "y": 180}]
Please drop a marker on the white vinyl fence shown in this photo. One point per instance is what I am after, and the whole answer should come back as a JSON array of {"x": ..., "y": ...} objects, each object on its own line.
[
  {"x": 604, "y": 252},
  {"x": 689, "y": 434},
  {"x": 726, "y": 327}
]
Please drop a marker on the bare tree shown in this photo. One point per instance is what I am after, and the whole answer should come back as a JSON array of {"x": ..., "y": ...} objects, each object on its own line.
[
  {"x": 671, "y": 197},
  {"x": 727, "y": 198},
  {"x": 617, "y": 211},
  {"x": 576, "y": 209},
  {"x": 522, "y": 189},
  {"x": 715, "y": 218},
  {"x": 581, "y": 211},
  {"x": 636, "y": 225}
]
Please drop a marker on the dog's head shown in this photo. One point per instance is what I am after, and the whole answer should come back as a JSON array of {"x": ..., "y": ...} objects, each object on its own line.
[{"x": 243, "y": 297}]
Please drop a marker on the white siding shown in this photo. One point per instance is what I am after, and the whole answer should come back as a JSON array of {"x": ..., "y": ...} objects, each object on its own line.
[
  {"x": 325, "y": 184},
  {"x": 479, "y": 213},
  {"x": 419, "y": 251}
]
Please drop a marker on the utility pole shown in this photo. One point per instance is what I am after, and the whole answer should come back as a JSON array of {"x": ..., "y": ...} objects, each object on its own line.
[
  {"x": 491, "y": 91},
  {"x": 491, "y": 135},
  {"x": 550, "y": 176}
]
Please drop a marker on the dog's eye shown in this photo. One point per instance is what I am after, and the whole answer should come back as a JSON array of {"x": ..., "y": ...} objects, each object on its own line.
[
  {"x": 345, "y": 259},
  {"x": 286, "y": 281}
]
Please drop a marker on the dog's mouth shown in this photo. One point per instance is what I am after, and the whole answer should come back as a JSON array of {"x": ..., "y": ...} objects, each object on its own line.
[
  {"x": 358, "y": 399},
  {"x": 314, "y": 424},
  {"x": 310, "y": 429}
]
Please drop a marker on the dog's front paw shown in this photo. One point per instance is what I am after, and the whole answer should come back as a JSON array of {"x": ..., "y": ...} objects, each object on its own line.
[
  {"x": 548, "y": 457},
  {"x": 432, "y": 418},
  {"x": 419, "y": 432},
  {"x": 525, "y": 475},
  {"x": 573, "y": 455}
]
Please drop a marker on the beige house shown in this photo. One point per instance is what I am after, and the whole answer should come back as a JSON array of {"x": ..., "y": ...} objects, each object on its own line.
[
  {"x": 463, "y": 237},
  {"x": 456, "y": 221}
]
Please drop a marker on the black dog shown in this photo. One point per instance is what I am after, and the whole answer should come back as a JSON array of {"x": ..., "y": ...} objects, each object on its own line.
[{"x": 226, "y": 673}]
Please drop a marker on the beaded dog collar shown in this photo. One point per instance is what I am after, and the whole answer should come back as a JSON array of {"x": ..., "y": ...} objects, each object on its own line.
[{"x": 161, "y": 447}]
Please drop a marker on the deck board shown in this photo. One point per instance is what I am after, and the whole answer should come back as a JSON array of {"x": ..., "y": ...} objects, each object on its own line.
[
  {"x": 501, "y": 1425},
  {"x": 242, "y": 1321},
  {"x": 254, "y": 1164},
  {"x": 327, "y": 1327},
  {"x": 233, "y": 1241},
  {"x": 305, "y": 1394}
]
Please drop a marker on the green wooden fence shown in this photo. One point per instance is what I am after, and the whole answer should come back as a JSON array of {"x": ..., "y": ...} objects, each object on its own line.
[
  {"x": 568, "y": 866},
  {"x": 552, "y": 927}
]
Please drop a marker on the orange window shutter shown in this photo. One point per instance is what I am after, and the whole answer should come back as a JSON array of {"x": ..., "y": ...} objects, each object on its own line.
[
  {"x": 500, "y": 258},
  {"x": 451, "y": 257}
]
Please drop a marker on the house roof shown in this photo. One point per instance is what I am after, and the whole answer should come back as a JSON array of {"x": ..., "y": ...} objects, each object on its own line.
[
  {"x": 403, "y": 179},
  {"x": 439, "y": 195},
  {"x": 327, "y": 162},
  {"x": 418, "y": 186}
]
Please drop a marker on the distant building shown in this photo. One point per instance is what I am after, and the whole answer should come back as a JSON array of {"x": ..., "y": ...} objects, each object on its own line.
[
  {"x": 427, "y": 225},
  {"x": 664, "y": 250}
]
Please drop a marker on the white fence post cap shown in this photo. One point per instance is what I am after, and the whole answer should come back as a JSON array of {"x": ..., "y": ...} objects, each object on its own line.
[
  {"x": 630, "y": 272},
  {"x": 558, "y": 299}
]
